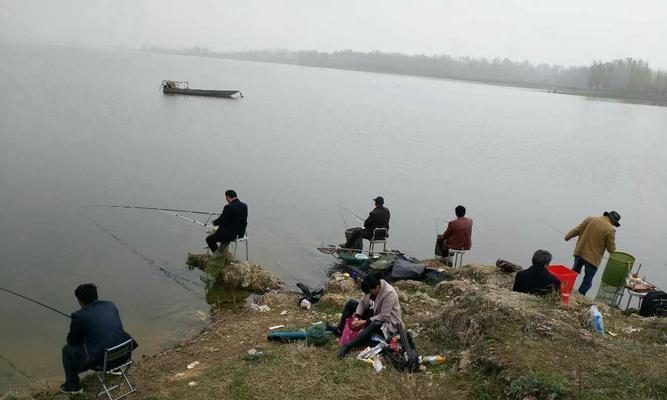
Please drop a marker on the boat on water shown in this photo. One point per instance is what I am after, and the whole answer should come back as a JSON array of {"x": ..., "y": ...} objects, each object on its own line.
[{"x": 183, "y": 87}]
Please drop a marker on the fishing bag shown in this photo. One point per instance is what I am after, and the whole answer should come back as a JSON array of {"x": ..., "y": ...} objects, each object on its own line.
[
  {"x": 407, "y": 269},
  {"x": 654, "y": 304},
  {"x": 406, "y": 359}
]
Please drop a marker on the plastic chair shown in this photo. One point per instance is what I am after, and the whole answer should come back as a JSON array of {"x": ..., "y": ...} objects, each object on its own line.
[
  {"x": 122, "y": 354},
  {"x": 456, "y": 257},
  {"x": 379, "y": 237},
  {"x": 243, "y": 240}
]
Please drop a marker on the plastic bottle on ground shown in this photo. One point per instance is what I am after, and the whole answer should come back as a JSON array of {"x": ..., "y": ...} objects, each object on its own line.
[
  {"x": 432, "y": 360},
  {"x": 595, "y": 319}
]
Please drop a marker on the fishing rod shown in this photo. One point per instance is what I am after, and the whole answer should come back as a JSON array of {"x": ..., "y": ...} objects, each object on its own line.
[
  {"x": 352, "y": 213},
  {"x": 435, "y": 222},
  {"x": 170, "y": 211},
  {"x": 35, "y": 301},
  {"x": 152, "y": 208}
]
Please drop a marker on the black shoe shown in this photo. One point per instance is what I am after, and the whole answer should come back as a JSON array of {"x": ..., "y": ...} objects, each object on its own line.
[
  {"x": 333, "y": 329},
  {"x": 70, "y": 389},
  {"x": 342, "y": 352}
]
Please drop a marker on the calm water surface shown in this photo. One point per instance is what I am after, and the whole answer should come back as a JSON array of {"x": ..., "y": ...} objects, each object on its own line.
[{"x": 82, "y": 127}]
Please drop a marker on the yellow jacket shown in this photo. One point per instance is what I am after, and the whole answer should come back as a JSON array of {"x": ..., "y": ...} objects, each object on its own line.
[{"x": 595, "y": 235}]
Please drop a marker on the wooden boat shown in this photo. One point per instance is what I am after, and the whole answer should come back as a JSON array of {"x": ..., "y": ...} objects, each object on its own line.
[{"x": 183, "y": 87}]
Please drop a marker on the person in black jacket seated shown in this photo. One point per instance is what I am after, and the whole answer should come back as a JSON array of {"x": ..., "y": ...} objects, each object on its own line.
[
  {"x": 94, "y": 328},
  {"x": 536, "y": 279},
  {"x": 377, "y": 218},
  {"x": 231, "y": 223}
]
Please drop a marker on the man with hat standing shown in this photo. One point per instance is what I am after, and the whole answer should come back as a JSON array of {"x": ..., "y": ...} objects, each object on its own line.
[
  {"x": 377, "y": 218},
  {"x": 595, "y": 235}
]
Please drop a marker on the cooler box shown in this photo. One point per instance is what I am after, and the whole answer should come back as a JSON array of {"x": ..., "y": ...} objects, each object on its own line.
[{"x": 567, "y": 277}]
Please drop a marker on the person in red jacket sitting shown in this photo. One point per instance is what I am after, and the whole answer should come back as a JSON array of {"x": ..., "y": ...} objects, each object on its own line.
[{"x": 457, "y": 236}]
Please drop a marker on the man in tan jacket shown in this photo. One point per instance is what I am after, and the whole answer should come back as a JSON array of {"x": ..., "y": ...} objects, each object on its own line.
[
  {"x": 595, "y": 235},
  {"x": 377, "y": 312}
]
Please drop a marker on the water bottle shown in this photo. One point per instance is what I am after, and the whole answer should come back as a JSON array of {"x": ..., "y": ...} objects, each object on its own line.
[{"x": 595, "y": 319}]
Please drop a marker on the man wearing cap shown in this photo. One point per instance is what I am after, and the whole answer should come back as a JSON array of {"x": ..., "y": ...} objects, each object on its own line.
[
  {"x": 377, "y": 218},
  {"x": 595, "y": 235}
]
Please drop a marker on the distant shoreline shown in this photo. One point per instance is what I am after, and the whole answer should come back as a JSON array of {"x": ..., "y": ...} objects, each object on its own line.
[{"x": 632, "y": 99}]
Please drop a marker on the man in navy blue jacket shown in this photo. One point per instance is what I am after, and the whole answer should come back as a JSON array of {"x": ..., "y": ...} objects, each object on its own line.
[
  {"x": 94, "y": 328},
  {"x": 231, "y": 223}
]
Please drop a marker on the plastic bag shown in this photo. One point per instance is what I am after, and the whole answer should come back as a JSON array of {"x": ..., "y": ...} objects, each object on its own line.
[{"x": 348, "y": 334}]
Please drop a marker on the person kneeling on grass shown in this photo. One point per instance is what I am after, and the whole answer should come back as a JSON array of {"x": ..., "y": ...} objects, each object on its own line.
[
  {"x": 94, "y": 328},
  {"x": 377, "y": 312}
]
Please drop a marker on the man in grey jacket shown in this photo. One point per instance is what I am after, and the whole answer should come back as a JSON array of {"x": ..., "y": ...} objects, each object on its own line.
[{"x": 377, "y": 312}]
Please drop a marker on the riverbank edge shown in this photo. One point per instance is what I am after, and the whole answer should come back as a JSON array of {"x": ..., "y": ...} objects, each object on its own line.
[{"x": 497, "y": 344}]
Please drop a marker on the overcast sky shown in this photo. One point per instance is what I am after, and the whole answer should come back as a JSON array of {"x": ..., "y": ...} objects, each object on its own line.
[{"x": 554, "y": 31}]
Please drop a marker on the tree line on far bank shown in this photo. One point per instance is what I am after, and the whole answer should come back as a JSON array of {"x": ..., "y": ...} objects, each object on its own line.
[{"x": 623, "y": 77}]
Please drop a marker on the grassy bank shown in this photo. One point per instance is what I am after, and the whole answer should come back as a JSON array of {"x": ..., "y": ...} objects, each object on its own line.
[{"x": 498, "y": 344}]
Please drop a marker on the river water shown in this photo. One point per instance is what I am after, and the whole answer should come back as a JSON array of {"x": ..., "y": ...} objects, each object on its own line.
[{"x": 82, "y": 127}]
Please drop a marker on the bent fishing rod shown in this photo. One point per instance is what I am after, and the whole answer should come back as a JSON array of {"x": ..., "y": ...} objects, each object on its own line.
[{"x": 35, "y": 301}]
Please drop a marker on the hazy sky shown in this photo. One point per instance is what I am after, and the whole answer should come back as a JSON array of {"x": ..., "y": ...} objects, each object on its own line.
[{"x": 553, "y": 31}]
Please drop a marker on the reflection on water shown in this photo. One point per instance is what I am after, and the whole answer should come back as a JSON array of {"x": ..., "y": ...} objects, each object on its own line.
[{"x": 220, "y": 295}]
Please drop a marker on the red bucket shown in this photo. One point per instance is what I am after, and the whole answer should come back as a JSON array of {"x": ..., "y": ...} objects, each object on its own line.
[{"x": 567, "y": 277}]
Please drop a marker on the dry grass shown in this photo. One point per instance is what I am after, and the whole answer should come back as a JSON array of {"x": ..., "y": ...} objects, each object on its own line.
[{"x": 499, "y": 344}]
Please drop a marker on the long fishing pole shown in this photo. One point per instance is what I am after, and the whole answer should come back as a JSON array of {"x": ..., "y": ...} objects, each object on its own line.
[
  {"x": 151, "y": 208},
  {"x": 170, "y": 211},
  {"x": 35, "y": 301}
]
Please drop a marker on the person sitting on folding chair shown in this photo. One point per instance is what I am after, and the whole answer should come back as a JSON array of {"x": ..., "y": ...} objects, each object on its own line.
[
  {"x": 94, "y": 328},
  {"x": 457, "y": 236},
  {"x": 377, "y": 218},
  {"x": 231, "y": 223}
]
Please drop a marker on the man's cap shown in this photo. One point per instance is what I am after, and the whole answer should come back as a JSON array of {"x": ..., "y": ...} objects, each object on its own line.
[
  {"x": 614, "y": 217},
  {"x": 379, "y": 200}
]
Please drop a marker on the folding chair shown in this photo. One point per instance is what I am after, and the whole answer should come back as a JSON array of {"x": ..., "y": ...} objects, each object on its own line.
[
  {"x": 117, "y": 360},
  {"x": 379, "y": 237},
  {"x": 456, "y": 257},
  {"x": 243, "y": 240}
]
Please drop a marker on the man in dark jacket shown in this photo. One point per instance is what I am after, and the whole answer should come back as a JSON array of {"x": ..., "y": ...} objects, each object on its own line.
[
  {"x": 231, "y": 223},
  {"x": 377, "y": 218},
  {"x": 536, "y": 279},
  {"x": 94, "y": 328}
]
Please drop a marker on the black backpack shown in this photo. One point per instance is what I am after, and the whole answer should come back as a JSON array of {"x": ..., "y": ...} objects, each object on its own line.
[
  {"x": 654, "y": 304},
  {"x": 406, "y": 359}
]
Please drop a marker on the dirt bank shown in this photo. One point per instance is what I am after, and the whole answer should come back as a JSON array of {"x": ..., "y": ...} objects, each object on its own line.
[{"x": 498, "y": 345}]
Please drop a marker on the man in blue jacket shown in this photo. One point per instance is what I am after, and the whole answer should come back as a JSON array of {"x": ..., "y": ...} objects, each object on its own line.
[
  {"x": 231, "y": 223},
  {"x": 94, "y": 328}
]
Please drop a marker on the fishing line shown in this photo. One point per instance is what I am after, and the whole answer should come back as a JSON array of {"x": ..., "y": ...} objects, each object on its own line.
[
  {"x": 352, "y": 212},
  {"x": 35, "y": 301},
  {"x": 179, "y": 280},
  {"x": 17, "y": 369},
  {"x": 340, "y": 210}
]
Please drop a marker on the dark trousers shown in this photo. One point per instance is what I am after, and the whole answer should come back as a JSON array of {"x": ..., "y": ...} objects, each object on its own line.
[
  {"x": 73, "y": 365},
  {"x": 355, "y": 236},
  {"x": 364, "y": 336},
  {"x": 589, "y": 273},
  {"x": 212, "y": 242}
]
